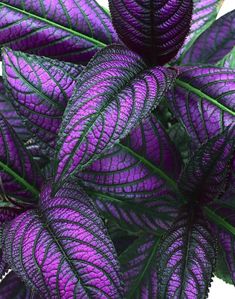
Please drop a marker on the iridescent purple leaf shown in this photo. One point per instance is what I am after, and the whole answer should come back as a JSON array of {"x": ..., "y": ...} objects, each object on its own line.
[
  {"x": 154, "y": 29},
  {"x": 204, "y": 14},
  {"x": 62, "y": 249},
  {"x": 186, "y": 258},
  {"x": 203, "y": 98},
  {"x": 71, "y": 30},
  {"x": 20, "y": 178},
  {"x": 40, "y": 89},
  {"x": 205, "y": 176},
  {"x": 140, "y": 268},
  {"x": 133, "y": 181},
  {"x": 228, "y": 61},
  {"x": 12, "y": 287},
  {"x": 114, "y": 94},
  {"x": 219, "y": 41}
]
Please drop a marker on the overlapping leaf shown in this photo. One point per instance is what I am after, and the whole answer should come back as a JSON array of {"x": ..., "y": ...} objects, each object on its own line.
[
  {"x": 203, "y": 99},
  {"x": 3, "y": 267},
  {"x": 186, "y": 258},
  {"x": 20, "y": 178},
  {"x": 139, "y": 266},
  {"x": 205, "y": 176},
  {"x": 204, "y": 14},
  {"x": 62, "y": 249},
  {"x": 228, "y": 61},
  {"x": 40, "y": 89},
  {"x": 12, "y": 287},
  {"x": 70, "y": 30},
  {"x": 154, "y": 29},
  {"x": 219, "y": 41},
  {"x": 134, "y": 181},
  {"x": 114, "y": 94}
]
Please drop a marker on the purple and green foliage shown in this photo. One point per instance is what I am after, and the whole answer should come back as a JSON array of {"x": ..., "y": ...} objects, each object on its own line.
[{"x": 117, "y": 178}]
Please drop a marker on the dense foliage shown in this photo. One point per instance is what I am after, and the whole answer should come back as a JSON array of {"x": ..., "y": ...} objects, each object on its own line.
[{"x": 117, "y": 149}]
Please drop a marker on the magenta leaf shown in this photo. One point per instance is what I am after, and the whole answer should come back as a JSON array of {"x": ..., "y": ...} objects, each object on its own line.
[
  {"x": 154, "y": 29},
  {"x": 12, "y": 287},
  {"x": 62, "y": 249},
  {"x": 203, "y": 100},
  {"x": 114, "y": 94},
  {"x": 219, "y": 41},
  {"x": 20, "y": 176},
  {"x": 133, "y": 181},
  {"x": 205, "y": 176},
  {"x": 70, "y": 30},
  {"x": 186, "y": 258},
  {"x": 40, "y": 89}
]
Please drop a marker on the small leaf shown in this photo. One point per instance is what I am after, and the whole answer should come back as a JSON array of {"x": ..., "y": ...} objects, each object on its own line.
[
  {"x": 40, "y": 89},
  {"x": 219, "y": 41},
  {"x": 134, "y": 182},
  {"x": 186, "y": 258},
  {"x": 203, "y": 99},
  {"x": 12, "y": 287},
  {"x": 228, "y": 61},
  {"x": 222, "y": 271},
  {"x": 154, "y": 29},
  {"x": 205, "y": 176},
  {"x": 115, "y": 92},
  {"x": 20, "y": 177},
  {"x": 204, "y": 15},
  {"x": 140, "y": 268},
  {"x": 3, "y": 268},
  {"x": 66, "y": 233},
  {"x": 70, "y": 30}
]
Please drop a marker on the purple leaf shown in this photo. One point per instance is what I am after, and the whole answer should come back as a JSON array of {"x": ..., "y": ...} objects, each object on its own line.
[
  {"x": 186, "y": 258},
  {"x": 133, "y": 183},
  {"x": 62, "y": 249},
  {"x": 204, "y": 100},
  {"x": 12, "y": 287},
  {"x": 228, "y": 61},
  {"x": 204, "y": 14},
  {"x": 205, "y": 176},
  {"x": 3, "y": 266},
  {"x": 154, "y": 29},
  {"x": 20, "y": 178},
  {"x": 40, "y": 89},
  {"x": 70, "y": 30},
  {"x": 140, "y": 269},
  {"x": 114, "y": 94},
  {"x": 219, "y": 41}
]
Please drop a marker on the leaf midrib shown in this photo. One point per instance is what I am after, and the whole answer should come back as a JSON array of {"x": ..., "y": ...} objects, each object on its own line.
[
  {"x": 203, "y": 95},
  {"x": 51, "y": 23}
]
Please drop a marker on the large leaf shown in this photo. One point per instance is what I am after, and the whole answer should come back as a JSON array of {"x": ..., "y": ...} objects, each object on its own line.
[
  {"x": 139, "y": 266},
  {"x": 203, "y": 98},
  {"x": 71, "y": 30},
  {"x": 115, "y": 92},
  {"x": 12, "y": 287},
  {"x": 214, "y": 43},
  {"x": 40, "y": 89},
  {"x": 186, "y": 258},
  {"x": 62, "y": 249},
  {"x": 133, "y": 181},
  {"x": 205, "y": 176},
  {"x": 154, "y": 29},
  {"x": 20, "y": 178},
  {"x": 204, "y": 14}
]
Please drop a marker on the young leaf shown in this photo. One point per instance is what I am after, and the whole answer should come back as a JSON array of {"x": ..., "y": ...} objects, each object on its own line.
[
  {"x": 114, "y": 94},
  {"x": 186, "y": 258},
  {"x": 20, "y": 178},
  {"x": 203, "y": 99},
  {"x": 140, "y": 268},
  {"x": 12, "y": 287},
  {"x": 204, "y": 14},
  {"x": 133, "y": 182},
  {"x": 40, "y": 89},
  {"x": 154, "y": 29},
  {"x": 70, "y": 30},
  {"x": 228, "y": 61},
  {"x": 219, "y": 41},
  {"x": 62, "y": 249},
  {"x": 205, "y": 176}
]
